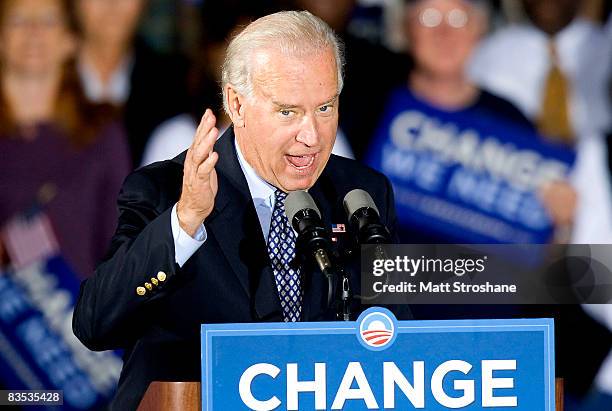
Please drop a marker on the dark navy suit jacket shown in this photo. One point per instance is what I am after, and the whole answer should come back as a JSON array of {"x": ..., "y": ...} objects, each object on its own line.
[{"x": 228, "y": 280}]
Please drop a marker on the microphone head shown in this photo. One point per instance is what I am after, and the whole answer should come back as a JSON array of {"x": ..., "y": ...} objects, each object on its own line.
[
  {"x": 297, "y": 201},
  {"x": 357, "y": 199}
]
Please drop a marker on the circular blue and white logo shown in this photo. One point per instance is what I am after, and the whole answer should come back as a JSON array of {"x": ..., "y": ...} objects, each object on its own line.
[{"x": 376, "y": 328}]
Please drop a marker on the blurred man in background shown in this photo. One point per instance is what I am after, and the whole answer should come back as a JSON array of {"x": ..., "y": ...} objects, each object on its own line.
[
  {"x": 438, "y": 101},
  {"x": 555, "y": 68},
  {"x": 442, "y": 35}
]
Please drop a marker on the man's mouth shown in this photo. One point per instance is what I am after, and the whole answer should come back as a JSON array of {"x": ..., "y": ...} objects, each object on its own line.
[{"x": 301, "y": 162}]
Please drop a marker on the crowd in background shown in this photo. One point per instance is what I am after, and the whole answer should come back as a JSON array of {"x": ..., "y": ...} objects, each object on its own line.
[{"x": 91, "y": 89}]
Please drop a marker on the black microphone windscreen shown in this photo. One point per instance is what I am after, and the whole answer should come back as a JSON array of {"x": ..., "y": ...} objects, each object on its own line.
[
  {"x": 297, "y": 201},
  {"x": 357, "y": 199}
]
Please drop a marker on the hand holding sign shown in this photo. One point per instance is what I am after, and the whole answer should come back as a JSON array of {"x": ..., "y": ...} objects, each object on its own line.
[{"x": 560, "y": 200}]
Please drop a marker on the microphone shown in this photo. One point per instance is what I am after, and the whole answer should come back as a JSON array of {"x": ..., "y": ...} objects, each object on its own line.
[
  {"x": 305, "y": 218},
  {"x": 364, "y": 218}
]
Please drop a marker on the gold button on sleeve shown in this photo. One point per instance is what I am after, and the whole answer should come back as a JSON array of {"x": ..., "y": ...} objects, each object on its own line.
[
  {"x": 154, "y": 281},
  {"x": 141, "y": 291},
  {"x": 149, "y": 286},
  {"x": 161, "y": 276}
]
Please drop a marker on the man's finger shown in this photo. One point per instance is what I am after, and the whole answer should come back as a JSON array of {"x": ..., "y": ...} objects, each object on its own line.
[
  {"x": 202, "y": 145},
  {"x": 196, "y": 139},
  {"x": 189, "y": 168},
  {"x": 206, "y": 124},
  {"x": 202, "y": 123},
  {"x": 208, "y": 165},
  {"x": 203, "y": 150}
]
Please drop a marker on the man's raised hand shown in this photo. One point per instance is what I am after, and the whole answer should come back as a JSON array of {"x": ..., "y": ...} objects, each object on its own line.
[{"x": 199, "y": 177}]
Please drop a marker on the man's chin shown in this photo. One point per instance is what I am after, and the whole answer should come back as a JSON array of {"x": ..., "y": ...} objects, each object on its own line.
[
  {"x": 299, "y": 183},
  {"x": 293, "y": 180}
]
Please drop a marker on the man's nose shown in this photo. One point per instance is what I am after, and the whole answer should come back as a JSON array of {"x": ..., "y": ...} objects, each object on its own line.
[{"x": 309, "y": 131}]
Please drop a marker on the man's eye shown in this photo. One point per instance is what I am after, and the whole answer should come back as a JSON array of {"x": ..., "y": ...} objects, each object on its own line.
[
  {"x": 325, "y": 109},
  {"x": 285, "y": 113}
]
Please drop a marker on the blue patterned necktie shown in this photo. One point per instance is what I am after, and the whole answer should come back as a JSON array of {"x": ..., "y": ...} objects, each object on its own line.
[{"x": 281, "y": 249}]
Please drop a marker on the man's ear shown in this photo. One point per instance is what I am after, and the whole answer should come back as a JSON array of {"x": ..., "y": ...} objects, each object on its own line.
[{"x": 235, "y": 103}]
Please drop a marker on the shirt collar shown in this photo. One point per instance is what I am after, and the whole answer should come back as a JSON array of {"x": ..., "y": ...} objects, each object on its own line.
[
  {"x": 569, "y": 38},
  {"x": 116, "y": 90},
  {"x": 261, "y": 190}
]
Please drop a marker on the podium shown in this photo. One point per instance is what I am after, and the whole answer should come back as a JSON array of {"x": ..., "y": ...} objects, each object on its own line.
[
  {"x": 170, "y": 396},
  {"x": 378, "y": 362},
  {"x": 162, "y": 396}
]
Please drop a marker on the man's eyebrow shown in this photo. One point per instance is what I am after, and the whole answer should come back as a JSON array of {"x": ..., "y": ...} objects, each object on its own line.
[
  {"x": 290, "y": 106},
  {"x": 331, "y": 100},
  {"x": 283, "y": 105}
]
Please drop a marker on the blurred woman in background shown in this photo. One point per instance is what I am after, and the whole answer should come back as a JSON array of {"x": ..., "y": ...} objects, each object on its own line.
[
  {"x": 61, "y": 157},
  {"x": 117, "y": 67}
]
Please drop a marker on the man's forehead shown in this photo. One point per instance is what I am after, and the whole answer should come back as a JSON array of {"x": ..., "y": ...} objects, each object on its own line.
[
  {"x": 283, "y": 97},
  {"x": 274, "y": 70},
  {"x": 275, "y": 63},
  {"x": 261, "y": 59}
]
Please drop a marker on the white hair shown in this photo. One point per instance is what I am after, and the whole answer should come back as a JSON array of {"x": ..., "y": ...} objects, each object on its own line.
[{"x": 293, "y": 33}]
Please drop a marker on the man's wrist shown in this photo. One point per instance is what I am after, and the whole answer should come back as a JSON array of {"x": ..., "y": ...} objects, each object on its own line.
[
  {"x": 189, "y": 222},
  {"x": 184, "y": 244}
]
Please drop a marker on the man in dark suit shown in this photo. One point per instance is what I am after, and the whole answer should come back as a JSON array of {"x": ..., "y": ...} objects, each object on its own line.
[{"x": 196, "y": 234}]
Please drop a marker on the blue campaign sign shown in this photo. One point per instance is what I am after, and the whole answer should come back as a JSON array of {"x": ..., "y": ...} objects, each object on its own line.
[
  {"x": 378, "y": 362},
  {"x": 466, "y": 176},
  {"x": 37, "y": 347}
]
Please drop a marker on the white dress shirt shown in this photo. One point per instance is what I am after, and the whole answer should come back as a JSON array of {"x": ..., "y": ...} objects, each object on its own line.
[
  {"x": 262, "y": 193},
  {"x": 514, "y": 63}
]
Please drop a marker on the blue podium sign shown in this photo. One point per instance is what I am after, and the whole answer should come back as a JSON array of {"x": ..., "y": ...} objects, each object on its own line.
[{"x": 377, "y": 363}]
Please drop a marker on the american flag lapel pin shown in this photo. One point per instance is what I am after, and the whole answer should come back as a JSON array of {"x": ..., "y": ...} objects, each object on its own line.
[{"x": 337, "y": 229}]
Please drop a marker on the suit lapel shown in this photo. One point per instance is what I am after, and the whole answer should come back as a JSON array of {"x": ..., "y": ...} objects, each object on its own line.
[{"x": 235, "y": 226}]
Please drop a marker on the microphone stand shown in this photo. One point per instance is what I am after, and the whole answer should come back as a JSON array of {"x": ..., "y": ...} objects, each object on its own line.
[
  {"x": 345, "y": 296},
  {"x": 335, "y": 271},
  {"x": 311, "y": 253}
]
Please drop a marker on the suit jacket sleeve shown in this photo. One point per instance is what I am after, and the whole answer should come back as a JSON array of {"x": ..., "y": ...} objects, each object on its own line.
[{"x": 109, "y": 313}]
